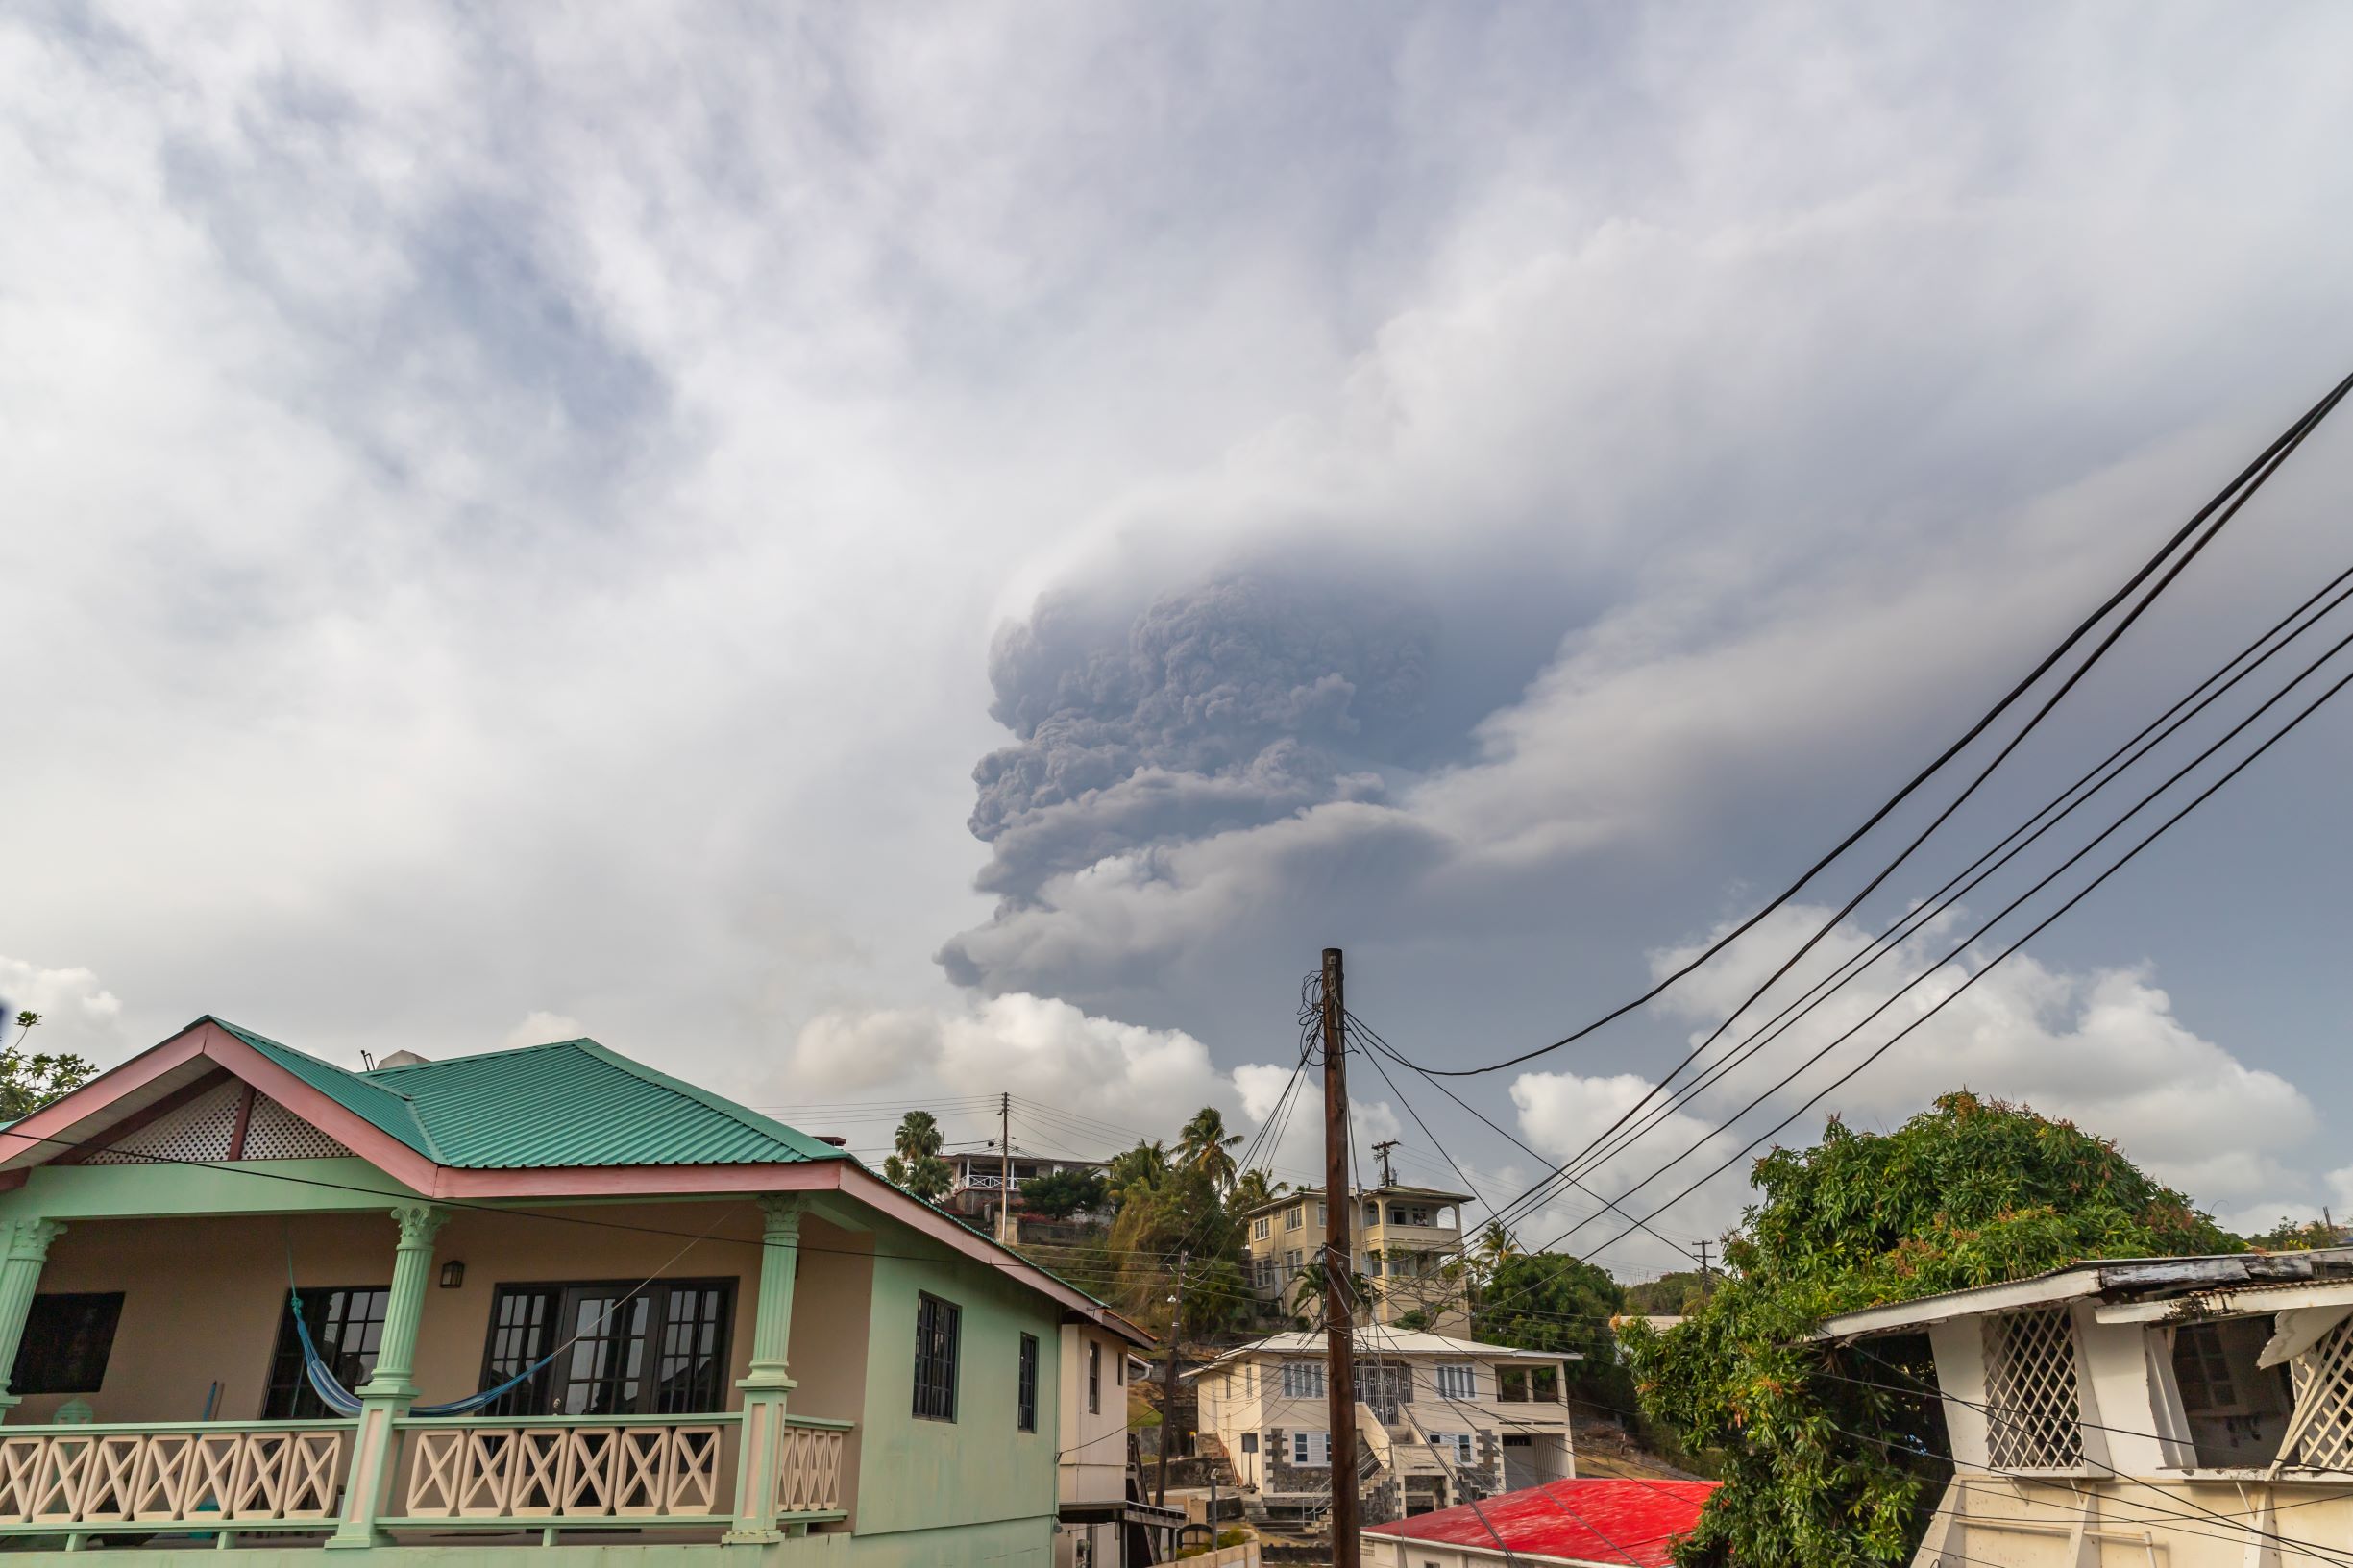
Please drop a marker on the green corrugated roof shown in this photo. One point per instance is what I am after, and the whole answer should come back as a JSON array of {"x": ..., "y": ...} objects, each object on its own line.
[{"x": 568, "y": 1104}]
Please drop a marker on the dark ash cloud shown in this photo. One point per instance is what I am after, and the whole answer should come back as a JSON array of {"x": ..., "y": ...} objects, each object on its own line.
[{"x": 1234, "y": 703}]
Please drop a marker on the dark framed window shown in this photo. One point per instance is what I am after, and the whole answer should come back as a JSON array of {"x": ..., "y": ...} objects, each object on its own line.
[
  {"x": 1095, "y": 1376},
  {"x": 67, "y": 1339},
  {"x": 346, "y": 1322},
  {"x": 1025, "y": 1404},
  {"x": 939, "y": 1326},
  {"x": 659, "y": 1350}
]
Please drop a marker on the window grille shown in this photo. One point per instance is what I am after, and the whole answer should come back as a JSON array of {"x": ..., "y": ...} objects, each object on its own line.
[
  {"x": 1303, "y": 1380},
  {"x": 1026, "y": 1405},
  {"x": 2324, "y": 1438},
  {"x": 2033, "y": 1420},
  {"x": 1262, "y": 1227},
  {"x": 1458, "y": 1379},
  {"x": 938, "y": 1328}
]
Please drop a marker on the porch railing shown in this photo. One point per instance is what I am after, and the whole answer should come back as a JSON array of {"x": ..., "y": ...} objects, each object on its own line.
[
  {"x": 567, "y": 1468},
  {"x": 809, "y": 1465},
  {"x": 586, "y": 1472},
  {"x": 160, "y": 1475}
]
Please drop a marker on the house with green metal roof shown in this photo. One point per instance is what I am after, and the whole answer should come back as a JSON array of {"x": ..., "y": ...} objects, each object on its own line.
[{"x": 541, "y": 1303}]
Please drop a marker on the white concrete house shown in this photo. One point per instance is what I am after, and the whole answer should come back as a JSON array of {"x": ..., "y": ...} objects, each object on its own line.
[
  {"x": 1438, "y": 1420},
  {"x": 2194, "y": 1413}
]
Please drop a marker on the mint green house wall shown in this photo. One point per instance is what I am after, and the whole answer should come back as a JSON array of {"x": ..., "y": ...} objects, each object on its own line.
[{"x": 979, "y": 1469}]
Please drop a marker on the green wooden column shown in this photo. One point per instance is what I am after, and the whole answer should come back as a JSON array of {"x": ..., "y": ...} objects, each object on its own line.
[
  {"x": 389, "y": 1390},
  {"x": 766, "y": 1383},
  {"x": 20, "y": 1277}
]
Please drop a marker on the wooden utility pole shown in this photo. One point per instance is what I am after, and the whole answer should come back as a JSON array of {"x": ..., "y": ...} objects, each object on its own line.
[
  {"x": 1167, "y": 1398},
  {"x": 1004, "y": 1179},
  {"x": 1340, "y": 1298},
  {"x": 1708, "y": 1275}
]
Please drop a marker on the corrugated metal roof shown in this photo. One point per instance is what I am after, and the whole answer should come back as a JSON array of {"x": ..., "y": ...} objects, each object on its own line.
[
  {"x": 1599, "y": 1520},
  {"x": 572, "y": 1103},
  {"x": 1377, "y": 1340}
]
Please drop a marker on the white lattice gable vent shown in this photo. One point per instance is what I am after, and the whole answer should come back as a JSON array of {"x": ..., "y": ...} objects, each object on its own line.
[
  {"x": 206, "y": 1128},
  {"x": 2320, "y": 1431},
  {"x": 2033, "y": 1419}
]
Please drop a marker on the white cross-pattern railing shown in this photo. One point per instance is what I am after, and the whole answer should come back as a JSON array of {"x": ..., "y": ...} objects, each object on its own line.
[
  {"x": 566, "y": 1468},
  {"x": 182, "y": 1473},
  {"x": 809, "y": 1465},
  {"x": 2322, "y": 1377},
  {"x": 2034, "y": 1421}
]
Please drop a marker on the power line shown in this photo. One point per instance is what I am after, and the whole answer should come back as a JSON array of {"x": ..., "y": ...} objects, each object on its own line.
[
  {"x": 2047, "y": 921},
  {"x": 2232, "y": 497}
]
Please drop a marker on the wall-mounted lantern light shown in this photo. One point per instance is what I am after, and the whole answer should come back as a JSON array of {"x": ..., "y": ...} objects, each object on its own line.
[{"x": 453, "y": 1274}]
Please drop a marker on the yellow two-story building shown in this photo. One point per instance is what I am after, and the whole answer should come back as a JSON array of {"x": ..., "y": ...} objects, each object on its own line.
[{"x": 1407, "y": 1242}]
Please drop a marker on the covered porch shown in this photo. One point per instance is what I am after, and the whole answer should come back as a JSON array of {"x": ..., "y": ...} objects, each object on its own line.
[{"x": 685, "y": 1371}]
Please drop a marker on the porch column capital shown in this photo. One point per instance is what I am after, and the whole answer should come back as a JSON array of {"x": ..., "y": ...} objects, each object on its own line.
[
  {"x": 419, "y": 1222},
  {"x": 28, "y": 1240}
]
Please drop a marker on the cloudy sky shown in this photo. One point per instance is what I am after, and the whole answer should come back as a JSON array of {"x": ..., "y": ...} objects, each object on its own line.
[{"x": 877, "y": 555}]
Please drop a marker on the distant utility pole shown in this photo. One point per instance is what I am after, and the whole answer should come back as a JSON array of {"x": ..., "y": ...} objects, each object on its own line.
[
  {"x": 1167, "y": 1398},
  {"x": 1339, "y": 1301},
  {"x": 1387, "y": 1180},
  {"x": 1707, "y": 1276},
  {"x": 1004, "y": 1143}
]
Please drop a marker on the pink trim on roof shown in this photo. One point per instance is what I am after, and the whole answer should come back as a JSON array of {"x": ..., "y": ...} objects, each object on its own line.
[{"x": 1603, "y": 1520}]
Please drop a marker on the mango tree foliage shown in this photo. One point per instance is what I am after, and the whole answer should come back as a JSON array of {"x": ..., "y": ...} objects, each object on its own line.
[{"x": 1822, "y": 1470}]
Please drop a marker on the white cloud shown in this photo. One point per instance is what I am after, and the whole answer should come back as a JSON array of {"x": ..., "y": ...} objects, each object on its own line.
[
  {"x": 2102, "y": 1048},
  {"x": 540, "y": 1028},
  {"x": 78, "y": 1015}
]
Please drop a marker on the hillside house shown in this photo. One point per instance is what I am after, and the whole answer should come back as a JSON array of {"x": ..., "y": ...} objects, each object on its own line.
[
  {"x": 2189, "y": 1411},
  {"x": 1438, "y": 1421},
  {"x": 1405, "y": 1240},
  {"x": 706, "y": 1334},
  {"x": 976, "y": 1186}
]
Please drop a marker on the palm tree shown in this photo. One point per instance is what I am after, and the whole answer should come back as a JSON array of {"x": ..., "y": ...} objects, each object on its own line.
[
  {"x": 917, "y": 1135},
  {"x": 1252, "y": 1188},
  {"x": 929, "y": 1177},
  {"x": 1310, "y": 1300},
  {"x": 1203, "y": 1147},
  {"x": 1140, "y": 1169}
]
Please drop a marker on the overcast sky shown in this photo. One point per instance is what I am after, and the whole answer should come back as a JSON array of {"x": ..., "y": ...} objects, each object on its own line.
[{"x": 868, "y": 556}]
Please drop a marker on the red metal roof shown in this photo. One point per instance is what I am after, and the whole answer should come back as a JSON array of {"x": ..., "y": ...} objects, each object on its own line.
[{"x": 1603, "y": 1520}]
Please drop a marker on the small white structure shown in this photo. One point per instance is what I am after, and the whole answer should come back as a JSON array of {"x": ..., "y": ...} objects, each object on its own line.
[
  {"x": 2189, "y": 1411},
  {"x": 1093, "y": 1481},
  {"x": 1439, "y": 1420}
]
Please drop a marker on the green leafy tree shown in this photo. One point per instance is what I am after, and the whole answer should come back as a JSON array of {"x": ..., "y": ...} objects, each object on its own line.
[
  {"x": 1058, "y": 1194},
  {"x": 1552, "y": 1301},
  {"x": 1205, "y": 1145},
  {"x": 1822, "y": 1470},
  {"x": 1253, "y": 1188},
  {"x": 27, "y": 1083},
  {"x": 914, "y": 1163},
  {"x": 1670, "y": 1295},
  {"x": 1140, "y": 1171}
]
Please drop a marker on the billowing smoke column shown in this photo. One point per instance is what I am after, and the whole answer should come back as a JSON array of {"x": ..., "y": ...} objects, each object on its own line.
[{"x": 1229, "y": 704}]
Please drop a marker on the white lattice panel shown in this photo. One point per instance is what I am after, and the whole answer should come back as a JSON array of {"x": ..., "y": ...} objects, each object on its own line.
[
  {"x": 276, "y": 1132},
  {"x": 2033, "y": 1420},
  {"x": 199, "y": 1130},
  {"x": 2326, "y": 1441},
  {"x": 206, "y": 1129}
]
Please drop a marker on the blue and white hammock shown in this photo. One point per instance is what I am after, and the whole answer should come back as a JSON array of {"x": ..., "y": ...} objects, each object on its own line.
[{"x": 343, "y": 1401}]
